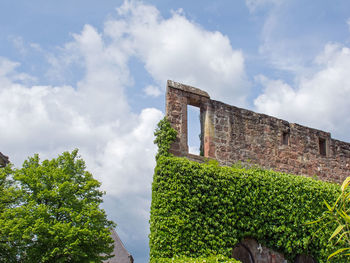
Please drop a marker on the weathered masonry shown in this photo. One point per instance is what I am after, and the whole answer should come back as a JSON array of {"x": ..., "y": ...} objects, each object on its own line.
[
  {"x": 230, "y": 134},
  {"x": 4, "y": 160},
  {"x": 120, "y": 254}
]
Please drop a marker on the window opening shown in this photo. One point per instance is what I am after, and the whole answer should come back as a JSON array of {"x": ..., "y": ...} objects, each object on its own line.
[
  {"x": 242, "y": 253},
  {"x": 285, "y": 138},
  {"x": 322, "y": 146},
  {"x": 193, "y": 130}
]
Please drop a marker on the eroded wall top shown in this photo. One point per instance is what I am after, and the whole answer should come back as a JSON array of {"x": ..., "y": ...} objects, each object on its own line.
[
  {"x": 3, "y": 160},
  {"x": 230, "y": 134}
]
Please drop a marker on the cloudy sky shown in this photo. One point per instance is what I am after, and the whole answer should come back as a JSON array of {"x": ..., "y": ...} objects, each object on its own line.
[{"x": 92, "y": 74}]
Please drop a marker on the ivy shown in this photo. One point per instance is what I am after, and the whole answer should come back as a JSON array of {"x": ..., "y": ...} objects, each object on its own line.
[
  {"x": 199, "y": 210},
  {"x": 165, "y": 136},
  {"x": 204, "y": 209}
]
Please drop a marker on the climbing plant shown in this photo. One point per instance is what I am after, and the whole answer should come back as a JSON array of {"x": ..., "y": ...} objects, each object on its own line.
[
  {"x": 203, "y": 209},
  {"x": 165, "y": 136}
]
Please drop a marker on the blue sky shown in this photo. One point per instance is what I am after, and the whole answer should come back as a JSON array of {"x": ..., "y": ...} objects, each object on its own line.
[{"x": 92, "y": 75}]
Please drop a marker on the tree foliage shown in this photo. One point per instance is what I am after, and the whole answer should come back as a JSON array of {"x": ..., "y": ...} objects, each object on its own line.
[{"x": 49, "y": 212}]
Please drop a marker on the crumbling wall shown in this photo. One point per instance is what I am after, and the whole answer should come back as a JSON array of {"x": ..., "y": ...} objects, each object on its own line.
[
  {"x": 4, "y": 160},
  {"x": 250, "y": 251},
  {"x": 231, "y": 134}
]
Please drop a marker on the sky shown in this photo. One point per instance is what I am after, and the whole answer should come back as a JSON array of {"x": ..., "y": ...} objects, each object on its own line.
[{"x": 92, "y": 75}]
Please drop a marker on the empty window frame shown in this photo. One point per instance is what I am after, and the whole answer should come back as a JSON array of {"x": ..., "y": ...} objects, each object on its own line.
[
  {"x": 285, "y": 138},
  {"x": 322, "y": 145},
  {"x": 194, "y": 134}
]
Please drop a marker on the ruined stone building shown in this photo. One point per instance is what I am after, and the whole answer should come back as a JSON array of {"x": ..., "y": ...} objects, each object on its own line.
[
  {"x": 120, "y": 254},
  {"x": 230, "y": 134},
  {"x": 3, "y": 160}
]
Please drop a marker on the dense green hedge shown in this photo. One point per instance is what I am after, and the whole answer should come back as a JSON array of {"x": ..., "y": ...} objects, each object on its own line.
[
  {"x": 203, "y": 209},
  {"x": 210, "y": 259}
]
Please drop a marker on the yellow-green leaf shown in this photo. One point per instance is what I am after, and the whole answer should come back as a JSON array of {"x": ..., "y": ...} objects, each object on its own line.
[
  {"x": 336, "y": 231},
  {"x": 328, "y": 206},
  {"x": 338, "y": 251},
  {"x": 345, "y": 184}
]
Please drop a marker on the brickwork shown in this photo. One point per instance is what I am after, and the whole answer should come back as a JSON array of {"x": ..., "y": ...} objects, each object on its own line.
[
  {"x": 231, "y": 134},
  {"x": 250, "y": 251},
  {"x": 120, "y": 254}
]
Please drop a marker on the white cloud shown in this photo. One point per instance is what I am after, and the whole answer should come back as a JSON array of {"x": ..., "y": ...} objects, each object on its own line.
[
  {"x": 152, "y": 91},
  {"x": 19, "y": 44},
  {"x": 319, "y": 100},
  {"x": 93, "y": 113},
  {"x": 127, "y": 161},
  {"x": 119, "y": 152},
  {"x": 8, "y": 73},
  {"x": 181, "y": 50},
  {"x": 93, "y": 116}
]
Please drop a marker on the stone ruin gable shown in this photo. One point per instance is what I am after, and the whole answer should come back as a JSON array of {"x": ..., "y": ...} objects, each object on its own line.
[
  {"x": 4, "y": 160},
  {"x": 120, "y": 254},
  {"x": 231, "y": 134}
]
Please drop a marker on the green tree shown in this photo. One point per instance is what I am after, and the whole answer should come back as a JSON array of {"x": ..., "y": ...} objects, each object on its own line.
[
  {"x": 49, "y": 212},
  {"x": 8, "y": 200}
]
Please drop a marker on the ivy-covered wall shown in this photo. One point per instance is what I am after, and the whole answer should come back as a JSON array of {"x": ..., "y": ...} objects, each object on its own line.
[{"x": 203, "y": 209}]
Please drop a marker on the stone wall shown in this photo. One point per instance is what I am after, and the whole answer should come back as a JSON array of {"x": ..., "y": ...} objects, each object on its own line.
[
  {"x": 120, "y": 254},
  {"x": 231, "y": 134},
  {"x": 4, "y": 160},
  {"x": 250, "y": 251}
]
